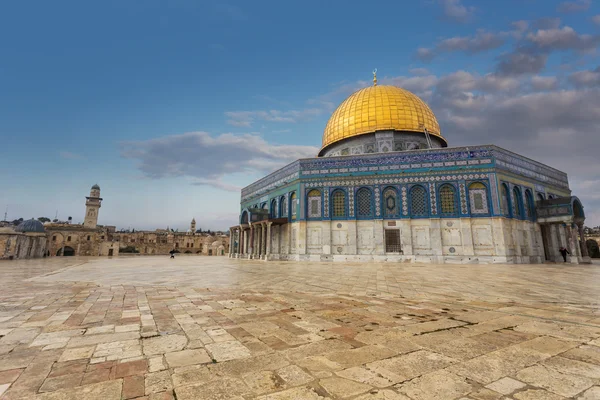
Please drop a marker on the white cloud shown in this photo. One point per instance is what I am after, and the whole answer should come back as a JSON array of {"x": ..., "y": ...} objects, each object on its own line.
[
  {"x": 217, "y": 183},
  {"x": 546, "y": 23},
  {"x": 565, "y": 38},
  {"x": 480, "y": 42},
  {"x": 585, "y": 79},
  {"x": 520, "y": 62},
  {"x": 574, "y": 6},
  {"x": 596, "y": 19},
  {"x": 210, "y": 159},
  {"x": 454, "y": 10},
  {"x": 544, "y": 82}
]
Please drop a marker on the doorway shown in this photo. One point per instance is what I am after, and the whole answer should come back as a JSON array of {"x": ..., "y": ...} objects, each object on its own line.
[
  {"x": 545, "y": 233},
  {"x": 66, "y": 252},
  {"x": 392, "y": 241},
  {"x": 110, "y": 252}
]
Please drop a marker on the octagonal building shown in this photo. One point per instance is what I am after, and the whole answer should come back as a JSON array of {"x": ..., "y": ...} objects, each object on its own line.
[{"x": 385, "y": 186}]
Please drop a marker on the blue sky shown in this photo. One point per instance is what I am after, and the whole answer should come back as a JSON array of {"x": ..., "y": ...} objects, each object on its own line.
[{"x": 172, "y": 106}]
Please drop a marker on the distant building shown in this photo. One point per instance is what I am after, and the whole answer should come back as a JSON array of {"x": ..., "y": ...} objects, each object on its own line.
[
  {"x": 27, "y": 240},
  {"x": 32, "y": 239}
]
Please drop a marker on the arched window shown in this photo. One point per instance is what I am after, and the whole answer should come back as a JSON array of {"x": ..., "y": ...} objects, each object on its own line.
[
  {"x": 263, "y": 206},
  {"x": 390, "y": 203},
  {"x": 540, "y": 197},
  {"x": 338, "y": 204},
  {"x": 478, "y": 200},
  {"x": 244, "y": 219},
  {"x": 418, "y": 202},
  {"x": 516, "y": 208},
  {"x": 528, "y": 204},
  {"x": 273, "y": 209},
  {"x": 504, "y": 200},
  {"x": 313, "y": 203},
  {"x": 283, "y": 211},
  {"x": 364, "y": 204},
  {"x": 448, "y": 200},
  {"x": 293, "y": 204}
]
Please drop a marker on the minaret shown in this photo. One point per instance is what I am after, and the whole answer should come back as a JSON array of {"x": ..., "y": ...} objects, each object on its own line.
[
  {"x": 193, "y": 225},
  {"x": 92, "y": 206}
]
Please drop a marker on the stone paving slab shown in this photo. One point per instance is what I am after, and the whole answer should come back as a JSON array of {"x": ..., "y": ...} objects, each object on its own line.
[{"x": 212, "y": 328}]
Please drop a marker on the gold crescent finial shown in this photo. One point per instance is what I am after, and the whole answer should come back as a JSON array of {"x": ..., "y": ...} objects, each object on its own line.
[{"x": 375, "y": 77}]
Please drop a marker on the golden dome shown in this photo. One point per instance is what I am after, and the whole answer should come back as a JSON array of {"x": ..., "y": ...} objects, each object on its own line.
[{"x": 378, "y": 108}]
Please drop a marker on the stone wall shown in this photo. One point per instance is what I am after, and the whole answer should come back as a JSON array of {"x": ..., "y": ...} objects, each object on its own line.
[
  {"x": 447, "y": 240},
  {"x": 18, "y": 245},
  {"x": 99, "y": 241},
  {"x": 163, "y": 242}
]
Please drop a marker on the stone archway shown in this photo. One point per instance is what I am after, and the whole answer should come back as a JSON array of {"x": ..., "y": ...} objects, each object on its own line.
[{"x": 66, "y": 251}]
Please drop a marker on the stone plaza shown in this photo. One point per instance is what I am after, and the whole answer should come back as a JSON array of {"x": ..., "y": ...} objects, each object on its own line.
[{"x": 147, "y": 327}]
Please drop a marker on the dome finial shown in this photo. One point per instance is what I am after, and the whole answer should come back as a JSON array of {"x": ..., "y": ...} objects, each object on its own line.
[{"x": 375, "y": 77}]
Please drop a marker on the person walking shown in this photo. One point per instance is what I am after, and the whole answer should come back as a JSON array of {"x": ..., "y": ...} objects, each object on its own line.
[
  {"x": 172, "y": 253},
  {"x": 564, "y": 253}
]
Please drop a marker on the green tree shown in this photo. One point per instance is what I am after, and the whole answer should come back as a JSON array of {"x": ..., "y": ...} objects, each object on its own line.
[{"x": 43, "y": 219}]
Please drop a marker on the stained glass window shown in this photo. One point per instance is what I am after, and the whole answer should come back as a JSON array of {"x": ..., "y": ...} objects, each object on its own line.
[
  {"x": 273, "y": 209},
  {"x": 478, "y": 198},
  {"x": 283, "y": 210},
  {"x": 339, "y": 204},
  {"x": 418, "y": 201},
  {"x": 363, "y": 203},
  {"x": 516, "y": 203},
  {"x": 314, "y": 204},
  {"x": 448, "y": 200},
  {"x": 293, "y": 204},
  {"x": 504, "y": 200},
  {"x": 390, "y": 202}
]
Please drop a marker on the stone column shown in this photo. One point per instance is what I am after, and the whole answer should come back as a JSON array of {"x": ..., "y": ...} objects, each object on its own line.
[
  {"x": 263, "y": 233},
  {"x": 268, "y": 250},
  {"x": 584, "y": 250},
  {"x": 244, "y": 241},
  {"x": 256, "y": 242},
  {"x": 259, "y": 242},
  {"x": 251, "y": 242},
  {"x": 571, "y": 244}
]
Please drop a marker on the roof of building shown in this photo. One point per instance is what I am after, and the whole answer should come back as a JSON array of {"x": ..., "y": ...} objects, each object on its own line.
[
  {"x": 96, "y": 186},
  {"x": 380, "y": 108},
  {"x": 31, "y": 225}
]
